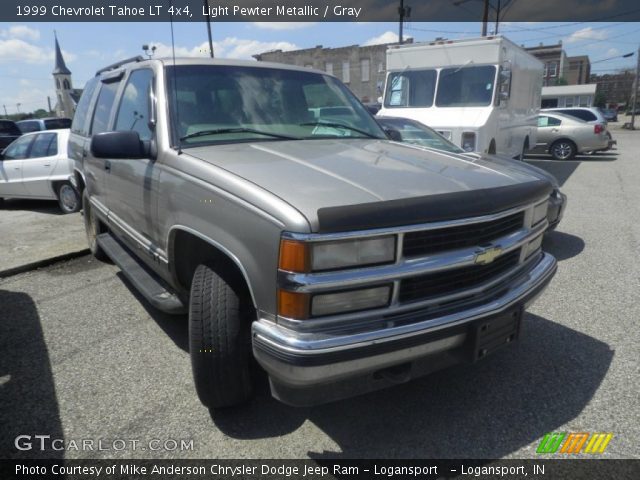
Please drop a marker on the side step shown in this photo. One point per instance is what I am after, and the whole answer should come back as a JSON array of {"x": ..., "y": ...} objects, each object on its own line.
[{"x": 152, "y": 287}]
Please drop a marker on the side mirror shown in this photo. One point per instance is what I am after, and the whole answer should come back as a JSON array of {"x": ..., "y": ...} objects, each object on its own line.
[
  {"x": 393, "y": 134},
  {"x": 504, "y": 85},
  {"x": 125, "y": 144}
]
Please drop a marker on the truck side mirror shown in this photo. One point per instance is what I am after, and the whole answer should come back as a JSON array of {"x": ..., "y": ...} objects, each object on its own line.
[
  {"x": 504, "y": 85},
  {"x": 124, "y": 144}
]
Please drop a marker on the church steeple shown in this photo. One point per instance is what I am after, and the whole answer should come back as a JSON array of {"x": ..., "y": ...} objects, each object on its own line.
[{"x": 61, "y": 67}]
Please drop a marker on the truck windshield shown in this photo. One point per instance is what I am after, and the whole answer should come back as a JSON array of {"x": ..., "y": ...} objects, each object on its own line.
[
  {"x": 212, "y": 104},
  {"x": 466, "y": 86},
  {"x": 414, "y": 88}
]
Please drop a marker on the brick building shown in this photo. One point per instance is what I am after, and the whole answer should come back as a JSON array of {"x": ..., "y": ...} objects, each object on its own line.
[
  {"x": 361, "y": 68},
  {"x": 617, "y": 88},
  {"x": 574, "y": 70}
]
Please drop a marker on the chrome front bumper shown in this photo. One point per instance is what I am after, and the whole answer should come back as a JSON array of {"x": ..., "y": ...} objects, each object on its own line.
[{"x": 300, "y": 360}]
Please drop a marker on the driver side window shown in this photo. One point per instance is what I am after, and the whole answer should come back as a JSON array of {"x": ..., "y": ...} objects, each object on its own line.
[{"x": 19, "y": 149}]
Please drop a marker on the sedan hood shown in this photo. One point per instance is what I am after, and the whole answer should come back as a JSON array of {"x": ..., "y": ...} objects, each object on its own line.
[{"x": 320, "y": 176}]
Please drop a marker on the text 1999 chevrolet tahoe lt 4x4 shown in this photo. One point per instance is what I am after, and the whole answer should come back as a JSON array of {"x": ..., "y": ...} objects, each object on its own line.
[{"x": 268, "y": 203}]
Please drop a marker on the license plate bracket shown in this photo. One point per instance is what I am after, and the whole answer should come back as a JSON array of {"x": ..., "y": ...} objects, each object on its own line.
[{"x": 493, "y": 333}]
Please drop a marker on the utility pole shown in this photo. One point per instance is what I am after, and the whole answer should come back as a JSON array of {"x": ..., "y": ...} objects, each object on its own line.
[
  {"x": 401, "y": 12},
  {"x": 18, "y": 106},
  {"x": 635, "y": 93},
  {"x": 206, "y": 4},
  {"x": 485, "y": 17},
  {"x": 49, "y": 102},
  {"x": 497, "y": 18},
  {"x": 5, "y": 111}
]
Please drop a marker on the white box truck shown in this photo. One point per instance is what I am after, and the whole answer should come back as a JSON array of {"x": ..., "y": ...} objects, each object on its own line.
[{"x": 483, "y": 94}]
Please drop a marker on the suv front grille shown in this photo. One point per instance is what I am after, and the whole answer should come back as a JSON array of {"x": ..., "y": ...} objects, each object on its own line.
[
  {"x": 431, "y": 285},
  {"x": 427, "y": 242}
]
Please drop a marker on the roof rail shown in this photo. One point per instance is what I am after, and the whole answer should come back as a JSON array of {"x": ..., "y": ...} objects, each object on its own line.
[{"x": 113, "y": 66}]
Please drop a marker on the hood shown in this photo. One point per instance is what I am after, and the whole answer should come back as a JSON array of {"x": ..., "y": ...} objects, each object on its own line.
[
  {"x": 508, "y": 163},
  {"x": 312, "y": 175}
]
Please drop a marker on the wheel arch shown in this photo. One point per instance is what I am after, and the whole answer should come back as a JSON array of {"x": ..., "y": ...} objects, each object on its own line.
[
  {"x": 563, "y": 139},
  {"x": 202, "y": 249}
]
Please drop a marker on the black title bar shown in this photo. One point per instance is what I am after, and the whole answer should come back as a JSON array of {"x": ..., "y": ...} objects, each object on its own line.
[{"x": 314, "y": 11}]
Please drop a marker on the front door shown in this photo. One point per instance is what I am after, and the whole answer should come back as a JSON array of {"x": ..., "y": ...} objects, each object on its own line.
[
  {"x": 548, "y": 128},
  {"x": 11, "y": 168},
  {"x": 132, "y": 183}
]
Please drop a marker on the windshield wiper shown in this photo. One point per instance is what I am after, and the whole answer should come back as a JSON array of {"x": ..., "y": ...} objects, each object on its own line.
[
  {"x": 338, "y": 125},
  {"x": 217, "y": 131}
]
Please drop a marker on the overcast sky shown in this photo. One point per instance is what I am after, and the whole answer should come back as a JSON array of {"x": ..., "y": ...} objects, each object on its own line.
[{"x": 27, "y": 50}]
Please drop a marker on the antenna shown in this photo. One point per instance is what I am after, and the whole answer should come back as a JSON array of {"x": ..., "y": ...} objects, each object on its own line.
[{"x": 175, "y": 78}]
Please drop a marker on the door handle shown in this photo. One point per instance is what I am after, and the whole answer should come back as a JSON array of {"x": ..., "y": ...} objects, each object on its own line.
[
  {"x": 47, "y": 165},
  {"x": 107, "y": 165}
]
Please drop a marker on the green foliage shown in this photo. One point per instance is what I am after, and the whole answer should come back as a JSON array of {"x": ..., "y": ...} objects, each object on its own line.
[
  {"x": 561, "y": 81},
  {"x": 600, "y": 100}
]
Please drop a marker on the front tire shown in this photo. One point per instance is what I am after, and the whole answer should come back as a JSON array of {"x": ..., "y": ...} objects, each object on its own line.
[
  {"x": 92, "y": 228},
  {"x": 219, "y": 340},
  {"x": 563, "y": 150},
  {"x": 68, "y": 198}
]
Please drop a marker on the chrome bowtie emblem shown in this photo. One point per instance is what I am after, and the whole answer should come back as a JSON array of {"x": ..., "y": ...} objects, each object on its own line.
[{"x": 488, "y": 255}]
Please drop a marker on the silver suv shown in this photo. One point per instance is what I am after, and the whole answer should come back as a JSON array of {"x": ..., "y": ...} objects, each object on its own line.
[{"x": 266, "y": 202}]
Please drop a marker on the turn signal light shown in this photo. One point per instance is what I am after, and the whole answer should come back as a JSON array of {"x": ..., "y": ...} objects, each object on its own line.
[
  {"x": 294, "y": 256},
  {"x": 293, "y": 304}
]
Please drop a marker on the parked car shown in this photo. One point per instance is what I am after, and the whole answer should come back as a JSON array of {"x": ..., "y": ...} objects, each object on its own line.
[
  {"x": 610, "y": 114},
  {"x": 412, "y": 131},
  {"x": 37, "y": 124},
  {"x": 564, "y": 136},
  {"x": 590, "y": 115},
  {"x": 9, "y": 131},
  {"x": 36, "y": 166},
  {"x": 342, "y": 261}
]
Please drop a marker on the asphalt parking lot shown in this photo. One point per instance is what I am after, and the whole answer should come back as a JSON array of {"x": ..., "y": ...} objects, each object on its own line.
[{"x": 83, "y": 357}]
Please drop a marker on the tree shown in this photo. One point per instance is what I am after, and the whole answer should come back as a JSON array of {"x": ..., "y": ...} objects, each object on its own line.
[
  {"x": 600, "y": 100},
  {"x": 561, "y": 81}
]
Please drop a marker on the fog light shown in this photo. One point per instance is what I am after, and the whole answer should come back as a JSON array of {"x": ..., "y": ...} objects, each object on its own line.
[
  {"x": 540, "y": 212},
  {"x": 533, "y": 246},
  {"x": 353, "y": 300}
]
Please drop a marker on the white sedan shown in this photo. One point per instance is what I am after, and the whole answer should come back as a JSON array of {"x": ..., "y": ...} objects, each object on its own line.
[{"x": 36, "y": 166}]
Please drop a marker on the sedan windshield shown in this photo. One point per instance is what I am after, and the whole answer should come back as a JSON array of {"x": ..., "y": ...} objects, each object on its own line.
[
  {"x": 419, "y": 134},
  {"x": 227, "y": 103}
]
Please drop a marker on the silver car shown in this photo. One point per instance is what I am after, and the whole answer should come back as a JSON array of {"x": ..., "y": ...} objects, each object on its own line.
[
  {"x": 36, "y": 166},
  {"x": 563, "y": 136}
]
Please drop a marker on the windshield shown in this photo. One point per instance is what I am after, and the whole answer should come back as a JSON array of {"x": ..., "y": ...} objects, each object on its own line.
[
  {"x": 56, "y": 123},
  {"x": 466, "y": 86},
  {"x": 413, "y": 88},
  {"x": 227, "y": 103},
  {"x": 419, "y": 134}
]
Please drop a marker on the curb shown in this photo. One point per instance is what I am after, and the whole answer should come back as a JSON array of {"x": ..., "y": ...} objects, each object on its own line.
[{"x": 43, "y": 263}]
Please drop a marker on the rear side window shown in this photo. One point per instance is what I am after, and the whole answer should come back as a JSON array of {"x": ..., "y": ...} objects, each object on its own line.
[
  {"x": 79, "y": 124},
  {"x": 29, "y": 126},
  {"x": 133, "y": 113},
  {"x": 41, "y": 145},
  {"x": 56, "y": 123},
  {"x": 585, "y": 115},
  {"x": 104, "y": 105}
]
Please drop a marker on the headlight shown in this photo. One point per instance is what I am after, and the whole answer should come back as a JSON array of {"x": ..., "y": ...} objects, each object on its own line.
[
  {"x": 298, "y": 256},
  {"x": 469, "y": 141},
  {"x": 533, "y": 246},
  {"x": 540, "y": 212}
]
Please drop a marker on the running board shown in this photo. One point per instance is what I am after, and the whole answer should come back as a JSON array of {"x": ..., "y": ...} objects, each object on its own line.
[{"x": 152, "y": 287}]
